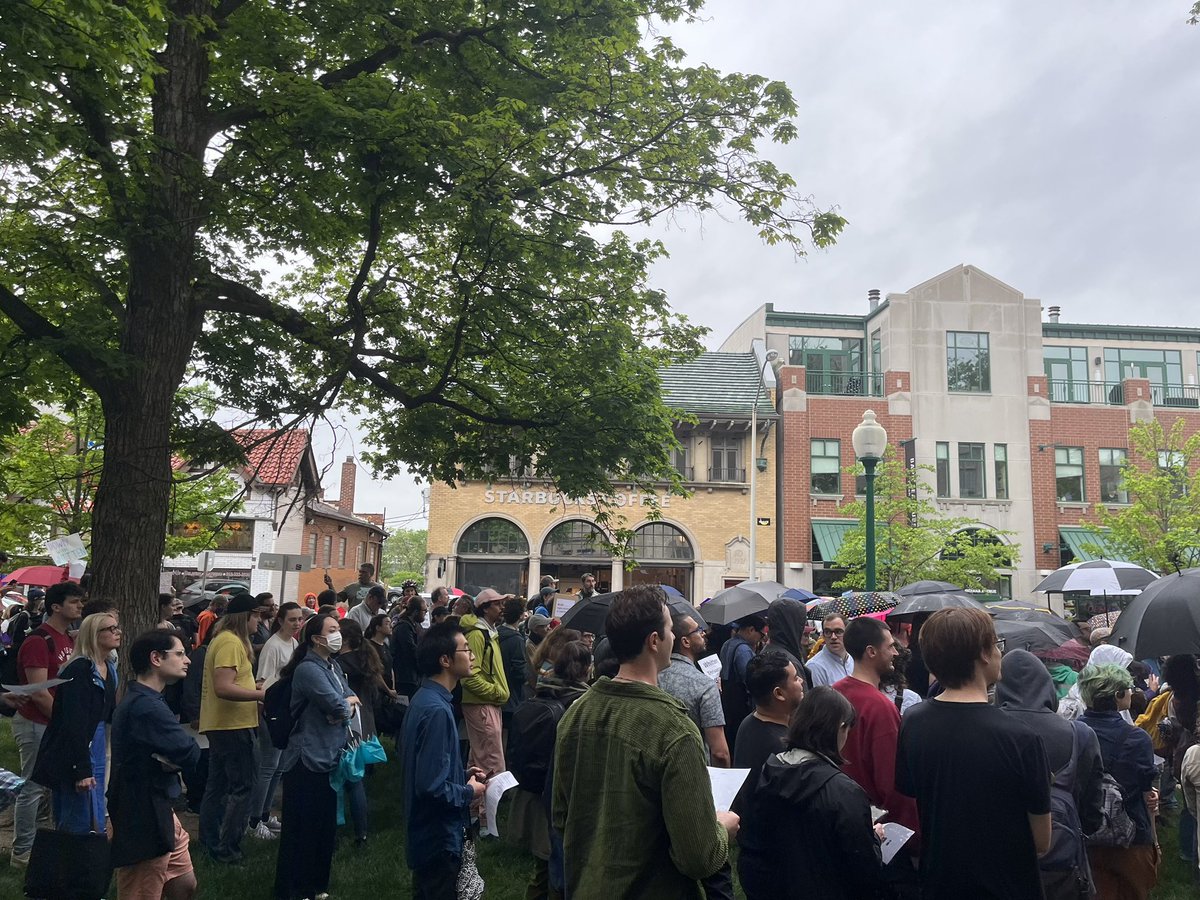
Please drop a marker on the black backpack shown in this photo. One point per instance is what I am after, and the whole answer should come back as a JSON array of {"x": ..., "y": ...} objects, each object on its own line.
[
  {"x": 277, "y": 712},
  {"x": 531, "y": 741},
  {"x": 1067, "y": 852}
]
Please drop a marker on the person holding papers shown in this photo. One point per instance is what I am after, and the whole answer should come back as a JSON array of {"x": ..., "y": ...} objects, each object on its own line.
[{"x": 807, "y": 816}]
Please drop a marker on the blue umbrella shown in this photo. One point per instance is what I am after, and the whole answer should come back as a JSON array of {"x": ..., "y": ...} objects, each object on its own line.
[
  {"x": 672, "y": 593},
  {"x": 799, "y": 594}
]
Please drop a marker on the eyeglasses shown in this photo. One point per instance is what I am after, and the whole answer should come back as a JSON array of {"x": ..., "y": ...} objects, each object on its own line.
[
  {"x": 1000, "y": 644},
  {"x": 112, "y": 629},
  {"x": 833, "y": 632},
  {"x": 699, "y": 629},
  {"x": 173, "y": 652},
  {"x": 465, "y": 650}
]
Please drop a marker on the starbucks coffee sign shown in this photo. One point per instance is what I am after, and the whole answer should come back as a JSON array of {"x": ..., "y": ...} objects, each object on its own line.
[{"x": 556, "y": 498}]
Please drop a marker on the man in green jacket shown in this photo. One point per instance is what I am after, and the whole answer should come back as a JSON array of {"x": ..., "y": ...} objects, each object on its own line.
[
  {"x": 631, "y": 790},
  {"x": 486, "y": 690}
]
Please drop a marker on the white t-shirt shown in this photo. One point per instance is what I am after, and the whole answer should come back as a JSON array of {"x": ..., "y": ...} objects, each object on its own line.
[
  {"x": 274, "y": 656},
  {"x": 362, "y": 615}
]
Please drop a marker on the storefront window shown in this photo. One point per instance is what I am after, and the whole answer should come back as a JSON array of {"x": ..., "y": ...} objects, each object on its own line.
[
  {"x": 574, "y": 539},
  {"x": 493, "y": 536}
]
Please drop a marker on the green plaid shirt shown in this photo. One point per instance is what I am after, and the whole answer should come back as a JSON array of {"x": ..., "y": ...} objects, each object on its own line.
[{"x": 632, "y": 798}]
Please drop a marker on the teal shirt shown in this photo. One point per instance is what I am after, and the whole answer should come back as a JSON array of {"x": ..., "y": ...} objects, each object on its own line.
[{"x": 631, "y": 796}]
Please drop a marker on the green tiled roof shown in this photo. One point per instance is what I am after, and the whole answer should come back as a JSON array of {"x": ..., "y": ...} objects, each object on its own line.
[{"x": 720, "y": 384}]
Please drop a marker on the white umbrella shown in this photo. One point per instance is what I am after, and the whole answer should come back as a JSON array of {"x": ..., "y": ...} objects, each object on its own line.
[{"x": 1098, "y": 577}]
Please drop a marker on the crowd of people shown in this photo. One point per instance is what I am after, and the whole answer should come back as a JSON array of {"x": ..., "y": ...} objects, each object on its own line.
[{"x": 994, "y": 773}]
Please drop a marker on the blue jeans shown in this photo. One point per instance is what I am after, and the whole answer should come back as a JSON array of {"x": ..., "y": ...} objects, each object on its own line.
[{"x": 269, "y": 776}]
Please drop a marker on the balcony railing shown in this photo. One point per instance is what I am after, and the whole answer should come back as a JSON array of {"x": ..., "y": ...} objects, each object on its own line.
[
  {"x": 729, "y": 475},
  {"x": 847, "y": 384},
  {"x": 1099, "y": 392},
  {"x": 687, "y": 473},
  {"x": 1176, "y": 395}
]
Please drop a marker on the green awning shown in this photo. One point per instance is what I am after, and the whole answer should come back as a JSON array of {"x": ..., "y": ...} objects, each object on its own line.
[
  {"x": 829, "y": 534},
  {"x": 1077, "y": 538}
]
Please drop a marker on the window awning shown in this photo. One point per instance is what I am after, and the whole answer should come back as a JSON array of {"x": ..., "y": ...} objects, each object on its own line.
[
  {"x": 829, "y": 534},
  {"x": 1084, "y": 544}
]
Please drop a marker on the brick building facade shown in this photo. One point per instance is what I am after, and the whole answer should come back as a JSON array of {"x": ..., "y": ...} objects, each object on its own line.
[
  {"x": 509, "y": 532},
  {"x": 1024, "y": 421}
]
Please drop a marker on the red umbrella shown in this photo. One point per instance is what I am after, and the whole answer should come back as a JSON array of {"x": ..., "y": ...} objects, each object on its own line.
[
  {"x": 38, "y": 576},
  {"x": 1073, "y": 653}
]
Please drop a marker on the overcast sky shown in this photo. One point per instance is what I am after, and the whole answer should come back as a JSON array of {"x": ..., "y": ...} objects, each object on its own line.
[{"x": 1053, "y": 145}]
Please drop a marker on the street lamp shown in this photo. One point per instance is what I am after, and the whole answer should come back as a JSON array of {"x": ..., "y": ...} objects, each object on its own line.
[
  {"x": 771, "y": 356},
  {"x": 870, "y": 440}
]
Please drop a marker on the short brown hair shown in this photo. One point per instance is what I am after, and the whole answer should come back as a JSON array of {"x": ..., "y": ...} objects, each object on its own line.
[
  {"x": 635, "y": 614},
  {"x": 953, "y": 640}
]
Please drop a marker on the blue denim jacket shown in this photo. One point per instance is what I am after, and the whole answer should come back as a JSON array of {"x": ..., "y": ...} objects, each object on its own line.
[
  {"x": 437, "y": 800},
  {"x": 319, "y": 693}
]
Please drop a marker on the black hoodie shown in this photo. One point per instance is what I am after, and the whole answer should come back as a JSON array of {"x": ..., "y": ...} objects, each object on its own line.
[
  {"x": 787, "y": 618},
  {"x": 807, "y": 834},
  {"x": 1026, "y": 691}
]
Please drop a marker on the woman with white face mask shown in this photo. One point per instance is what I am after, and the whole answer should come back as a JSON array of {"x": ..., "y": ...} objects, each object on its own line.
[{"x": 322, "y": 705}]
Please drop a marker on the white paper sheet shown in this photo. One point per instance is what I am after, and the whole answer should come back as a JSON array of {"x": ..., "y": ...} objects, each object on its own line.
[
  {"x": 563, "y": 605},
  {"x": 725, "y": 785},
  {"x": 895, "y": 836},
  {"x": 34, "y": 688},
  {"x": 496, "y": 786},
  {"x": 711, "y": 666}
]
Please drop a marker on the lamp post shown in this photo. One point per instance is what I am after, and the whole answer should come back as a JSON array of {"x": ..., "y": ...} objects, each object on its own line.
[
  {"x": 771, "y": 356},
  {"x": 870, "y": 440}
]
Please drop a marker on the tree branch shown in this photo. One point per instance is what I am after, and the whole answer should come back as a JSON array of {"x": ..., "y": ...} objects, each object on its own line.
[{"x": 91, "y": 369}]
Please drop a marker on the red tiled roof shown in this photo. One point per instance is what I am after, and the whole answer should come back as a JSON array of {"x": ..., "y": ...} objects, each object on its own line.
[{"x": 272, "y": 456}]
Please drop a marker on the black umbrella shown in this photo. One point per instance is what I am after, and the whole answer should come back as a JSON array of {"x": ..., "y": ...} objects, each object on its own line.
[
  {"x": 1036, "y": 637},
  {"x": 589, "y": 616},
  {"x": 741, "y": 600},
  {"x": 1018, "y": 611},
  {"x": 930, "y": 596},
  {"x": 1162, "y": 620}
]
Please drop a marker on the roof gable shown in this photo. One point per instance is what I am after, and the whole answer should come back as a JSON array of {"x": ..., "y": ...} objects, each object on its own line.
[{"x": 273, "y": 457}]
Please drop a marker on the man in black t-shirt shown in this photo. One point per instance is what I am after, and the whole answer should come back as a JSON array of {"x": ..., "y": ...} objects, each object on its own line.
[
  {"x": 777, "y": 689},
  {"x": 980, "y": 777}
]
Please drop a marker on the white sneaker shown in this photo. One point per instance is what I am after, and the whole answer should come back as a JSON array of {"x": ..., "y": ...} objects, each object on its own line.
[
  {"x": 274, "y": 824},
  {"x": 262, "y": 832},
  {"x": 19, "y": 860}
]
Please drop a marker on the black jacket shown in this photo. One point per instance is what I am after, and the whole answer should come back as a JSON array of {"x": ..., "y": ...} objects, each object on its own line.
[
  {"x": 79, "y": 706},
  {"x": 809, "y": 813},
  {"x": 788, "y": 618},
  {"x": 404, "y": 656},
  {"x": 512, "y": 654}
]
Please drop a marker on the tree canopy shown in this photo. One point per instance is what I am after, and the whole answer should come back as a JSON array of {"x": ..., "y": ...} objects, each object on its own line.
[
  {"x": 418, "y": 209},
  {"x": 1160, "y": 528},
  {"x": 914, "y": 541}
]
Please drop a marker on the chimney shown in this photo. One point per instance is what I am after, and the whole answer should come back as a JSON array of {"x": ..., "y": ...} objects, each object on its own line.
[
  {"x": 1053, "y": 314},
  {"x": 873, "y": 298},
  {"x": 346, "y": 491}
]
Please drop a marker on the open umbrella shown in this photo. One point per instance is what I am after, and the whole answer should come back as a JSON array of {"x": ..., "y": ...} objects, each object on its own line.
[
  {"x": 1036, "y": 637},
  {"x": 590, "y": 615},
  {"x": 799, "y": 594},
  {"x": 860, "y": 603},
  {"x": 1097, "y": 577},
  {"x": 38, "y": 576},
  {"x": 1018, "y": 611},
  {"x": 1164, "y": 619},
  {"x": 930, "y": 596},
  {"x": 1074, "y": 653},
  {"x": 740, "y": 600}
]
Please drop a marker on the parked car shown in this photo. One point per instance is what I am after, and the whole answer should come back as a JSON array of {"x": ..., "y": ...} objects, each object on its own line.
[{"x": 197, "y": 594}]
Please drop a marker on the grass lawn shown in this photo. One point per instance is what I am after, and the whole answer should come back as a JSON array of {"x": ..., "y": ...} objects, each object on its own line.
[{"x": 378, "y": 871}]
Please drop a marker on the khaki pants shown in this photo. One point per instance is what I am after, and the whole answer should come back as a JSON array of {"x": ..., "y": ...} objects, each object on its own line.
[
  {"x": 487, "y": 751},
  {"x": 1124, "y": 873}
]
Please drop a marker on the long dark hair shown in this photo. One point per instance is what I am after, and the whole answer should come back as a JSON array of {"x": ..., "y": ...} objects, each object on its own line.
[
  {"x": 284, "y": 609},
  {"x": 1180, "y": 674},
  {"x": 816, "y": 721},
  {"x": 314, "y": 627}
]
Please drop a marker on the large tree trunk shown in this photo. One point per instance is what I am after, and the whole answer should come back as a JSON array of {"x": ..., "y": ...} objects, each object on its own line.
[{"x": 162, "y": 322}]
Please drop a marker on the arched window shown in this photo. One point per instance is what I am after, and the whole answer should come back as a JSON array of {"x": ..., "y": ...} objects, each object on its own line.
[
  {"x": 575, "y": 539},
  {"x": 660, "y": 542},
  {"x": 493, "y": 537}
]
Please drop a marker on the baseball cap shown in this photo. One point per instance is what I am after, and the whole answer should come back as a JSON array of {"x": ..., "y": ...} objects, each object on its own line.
[
  {"x": 549, "y": 581},
  {"x": 537, "y": 620},
  {"x": 36, "y": 594},
  {"x": 488, "y": 595},
  {"x": 548, "y": 591},
  {"x": 243, "y": 602}
]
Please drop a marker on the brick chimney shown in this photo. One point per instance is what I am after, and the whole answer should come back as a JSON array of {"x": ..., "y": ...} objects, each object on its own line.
[{"x": 346, "y": 491}]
